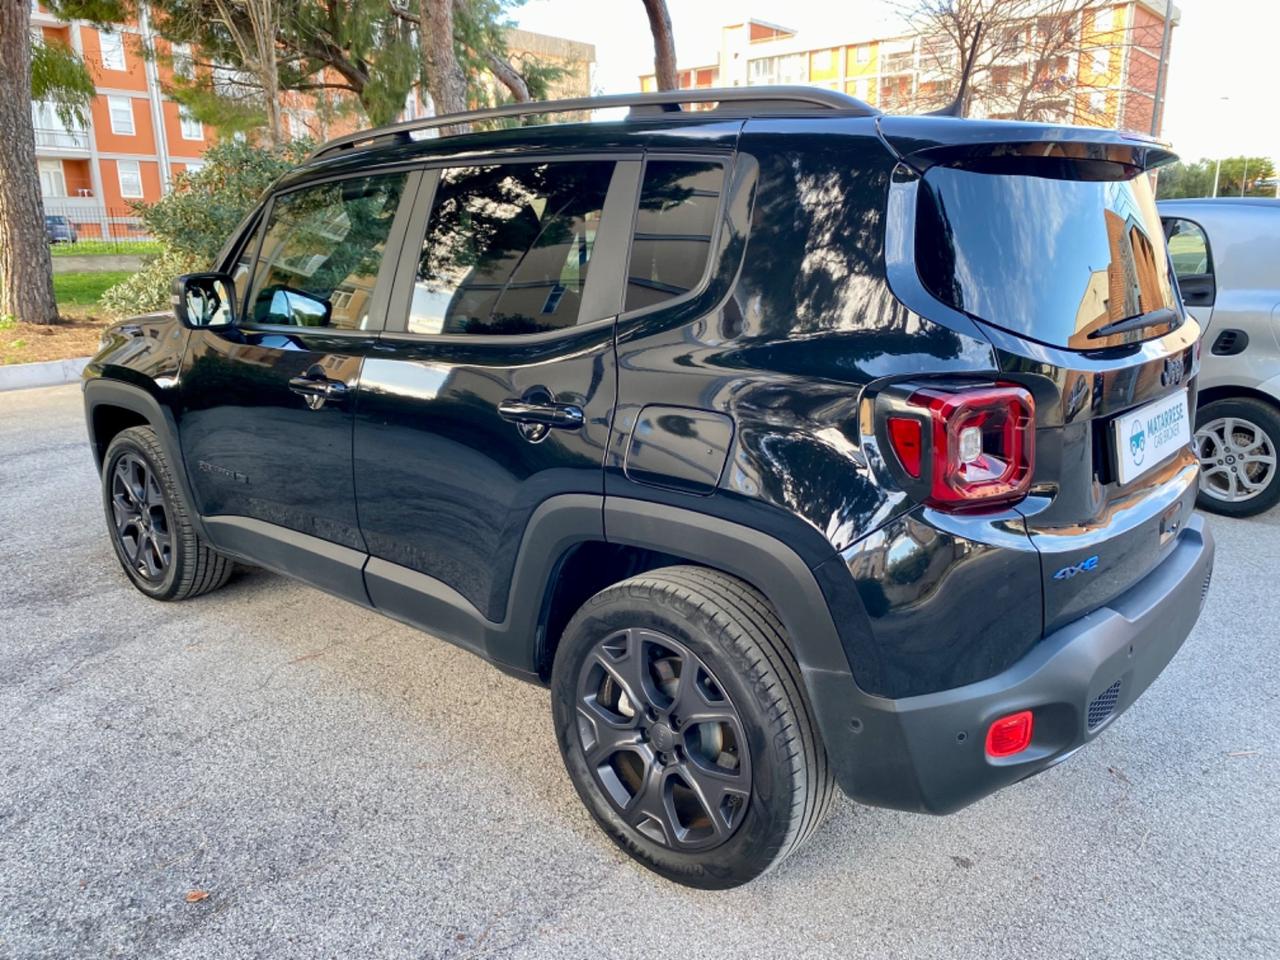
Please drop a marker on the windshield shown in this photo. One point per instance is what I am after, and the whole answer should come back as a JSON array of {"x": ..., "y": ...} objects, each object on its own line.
[{"x": 1055, "y": 260}]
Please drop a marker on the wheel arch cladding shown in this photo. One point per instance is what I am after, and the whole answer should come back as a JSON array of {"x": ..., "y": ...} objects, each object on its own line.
[{"x": 117, "y": 405}]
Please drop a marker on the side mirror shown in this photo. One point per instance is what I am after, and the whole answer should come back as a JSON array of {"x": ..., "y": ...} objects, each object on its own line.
[{"x": 205, "y": 300}]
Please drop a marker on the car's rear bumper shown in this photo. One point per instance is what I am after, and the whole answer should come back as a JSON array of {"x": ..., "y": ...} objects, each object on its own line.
[{"x": 928, "y": 753}]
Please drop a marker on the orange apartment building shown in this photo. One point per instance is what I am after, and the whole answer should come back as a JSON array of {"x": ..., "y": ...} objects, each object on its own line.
[
  {"x": 136, "y": 139},
  {"x": 1112, "y": 78}
]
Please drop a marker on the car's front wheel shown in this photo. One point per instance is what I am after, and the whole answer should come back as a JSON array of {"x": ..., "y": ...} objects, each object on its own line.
[
  {"x": 683, "y": 723},
  {"x": 1237, "y": 441},
  {"x": 150, "y": 522}
]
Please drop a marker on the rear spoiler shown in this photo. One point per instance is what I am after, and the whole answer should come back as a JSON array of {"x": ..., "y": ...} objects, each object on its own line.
[{"x": 1013, "y": 147}]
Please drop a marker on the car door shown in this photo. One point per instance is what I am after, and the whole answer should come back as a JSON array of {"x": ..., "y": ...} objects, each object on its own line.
[
  {"x": 265, "y": 418},
  {"x": 492, "y": 389}
]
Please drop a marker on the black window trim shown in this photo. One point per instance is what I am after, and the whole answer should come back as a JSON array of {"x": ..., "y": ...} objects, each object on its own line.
[
  {"x": 390, "y": 256},
  {"x": 396, "y": 328}
]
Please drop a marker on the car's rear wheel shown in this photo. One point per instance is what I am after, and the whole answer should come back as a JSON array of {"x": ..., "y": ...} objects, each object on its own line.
[
  {"x": 150, "y": 522},
  {"x": 683, "y": 724},
  {"x": 1237, "y": 441}
]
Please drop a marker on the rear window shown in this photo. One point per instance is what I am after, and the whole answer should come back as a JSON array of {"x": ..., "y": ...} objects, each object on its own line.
[{"x": 1054, "y": 260}]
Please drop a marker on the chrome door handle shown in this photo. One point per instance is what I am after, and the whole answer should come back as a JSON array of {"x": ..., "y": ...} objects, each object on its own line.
[
  {"x": 565, "y": 416},
  {"x": 316, "y": 387},
  {"x": 317, "y": 390}
]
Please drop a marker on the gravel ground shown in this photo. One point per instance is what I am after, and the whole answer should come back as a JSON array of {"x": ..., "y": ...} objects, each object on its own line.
[{"x": 343, "y": 786}]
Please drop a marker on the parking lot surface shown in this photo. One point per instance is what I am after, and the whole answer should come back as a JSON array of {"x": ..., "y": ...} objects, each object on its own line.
[{"x": 339, "y": 785}]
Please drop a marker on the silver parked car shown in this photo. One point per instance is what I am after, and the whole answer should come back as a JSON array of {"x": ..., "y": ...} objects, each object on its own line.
[{"x": 1226, "y": 254}]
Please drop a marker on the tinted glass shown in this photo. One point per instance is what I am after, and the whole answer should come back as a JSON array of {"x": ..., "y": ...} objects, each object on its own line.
[
  {"x": 1188, "y": 249},
  {"x": 678, "y": 204},
  {"x": 1052, "y": 259},
  {"x": 508, "y": 248},
  {"x": 321, "y": 252}
]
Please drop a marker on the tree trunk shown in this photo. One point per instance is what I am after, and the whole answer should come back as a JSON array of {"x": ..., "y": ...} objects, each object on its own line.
[
  {"x": 26, "y": 271},
  {"x": 445, "y": 80},
  {"x": 664, "y": 46}
]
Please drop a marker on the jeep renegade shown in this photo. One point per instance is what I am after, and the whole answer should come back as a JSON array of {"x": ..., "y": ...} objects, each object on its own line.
[{"x": 791, "y": 444}]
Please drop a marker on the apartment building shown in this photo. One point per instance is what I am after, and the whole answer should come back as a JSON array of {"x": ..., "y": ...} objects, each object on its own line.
[
  {"x": 136, "y": 139},
  {"x": 1100, "y": 68}
]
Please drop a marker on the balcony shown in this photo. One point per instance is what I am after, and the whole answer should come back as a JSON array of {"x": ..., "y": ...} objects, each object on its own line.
[{"x": 62, "y": 140}]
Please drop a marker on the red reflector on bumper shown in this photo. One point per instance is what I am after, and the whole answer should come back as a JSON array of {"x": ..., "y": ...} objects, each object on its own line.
[{"x": 1010, "y": 735}]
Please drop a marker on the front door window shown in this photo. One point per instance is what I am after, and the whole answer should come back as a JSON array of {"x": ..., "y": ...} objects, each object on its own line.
[{"x": 321, "y": 253}]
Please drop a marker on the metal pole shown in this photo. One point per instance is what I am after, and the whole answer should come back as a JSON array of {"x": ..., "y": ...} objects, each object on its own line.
[
  {"x": 1216, "y": 170},
  {"x": 1244, "y": 177},
  {"x": 1161, "y": 71}
]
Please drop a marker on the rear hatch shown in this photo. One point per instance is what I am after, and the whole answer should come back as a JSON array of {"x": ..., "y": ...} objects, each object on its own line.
[{"x": 1048, "y": 239}]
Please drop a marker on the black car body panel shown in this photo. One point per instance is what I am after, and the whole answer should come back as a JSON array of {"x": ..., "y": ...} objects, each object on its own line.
[{"x": 739, "y": 423}]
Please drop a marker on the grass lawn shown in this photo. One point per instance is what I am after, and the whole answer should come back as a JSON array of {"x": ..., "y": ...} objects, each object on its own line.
[
  {"x": 88, "y": 248},
  {"x": 84, "y": 289},
  {"x": 77, "y": 334}
]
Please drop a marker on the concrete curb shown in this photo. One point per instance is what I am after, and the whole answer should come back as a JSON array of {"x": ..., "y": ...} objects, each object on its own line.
[{"x": 17, "y": 376}]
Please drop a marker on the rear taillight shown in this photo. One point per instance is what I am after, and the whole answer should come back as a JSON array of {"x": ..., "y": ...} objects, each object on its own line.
[{"x": 981, "y": 444}]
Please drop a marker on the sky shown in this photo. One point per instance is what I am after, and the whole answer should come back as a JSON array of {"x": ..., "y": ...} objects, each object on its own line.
[{"x": 1221, "y": 49}]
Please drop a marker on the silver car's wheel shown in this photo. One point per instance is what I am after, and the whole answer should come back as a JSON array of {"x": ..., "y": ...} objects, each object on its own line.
[
  {"x": 1237, "y": 459},
  {"x": 1236, "y": 441}
]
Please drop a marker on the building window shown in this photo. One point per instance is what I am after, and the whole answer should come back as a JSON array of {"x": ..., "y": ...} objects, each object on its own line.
[
  {"x": 1104, "y": 20},
  {"x": 112, "y": 45},
  {"x": 183, "y": 65},
  {"x": 193, "y": 166},
  {"x": 1101, "y": 61},
  {"x": 192, "y": 129},
  {"x": 121, "y": 111},
  {"x": 864, "y": 54},
  {"x": 52, "y": 182},
  {"x": 1098, "y": 102},
  {"x": 130, "y": 173}
]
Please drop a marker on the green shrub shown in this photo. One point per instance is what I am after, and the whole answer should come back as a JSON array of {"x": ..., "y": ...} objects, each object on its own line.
[
  {"x": 196, "y": 218},
  {"x": 148, "y": 290}
]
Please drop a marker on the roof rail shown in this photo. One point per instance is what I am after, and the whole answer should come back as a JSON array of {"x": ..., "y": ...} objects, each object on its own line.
[{"x": 738, "y": 101}]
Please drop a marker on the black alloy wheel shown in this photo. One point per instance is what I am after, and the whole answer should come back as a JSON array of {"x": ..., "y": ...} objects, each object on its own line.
[
  {"x": 143, "y": 530},
  {"x": 682, "y": 719},
  {"x": 663, "y": 741},
  {"x": 150, "y": 523}
]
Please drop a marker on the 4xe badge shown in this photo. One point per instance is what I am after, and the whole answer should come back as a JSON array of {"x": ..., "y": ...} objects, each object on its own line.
[{"x": 1088, "y": 565}]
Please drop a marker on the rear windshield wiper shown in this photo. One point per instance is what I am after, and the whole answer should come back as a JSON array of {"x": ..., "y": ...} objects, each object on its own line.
[{"x": 1153, "y": 318}]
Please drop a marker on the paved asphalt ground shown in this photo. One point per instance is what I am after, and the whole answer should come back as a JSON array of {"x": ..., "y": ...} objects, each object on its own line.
[{"x": 342, "y": 786}]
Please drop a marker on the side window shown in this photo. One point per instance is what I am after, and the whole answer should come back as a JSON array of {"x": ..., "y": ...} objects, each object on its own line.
[
  {"x": 1188, "y": 248},
  {"x": 508, "y": 248},
  {"x": 321, "y": 251},
  {"x": 679, "y": 200}
]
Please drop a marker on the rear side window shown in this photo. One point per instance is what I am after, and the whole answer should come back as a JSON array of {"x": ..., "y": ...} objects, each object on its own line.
[
  {"x": 679, "y": 200},
  {"x": 321, "y": 252},
  {"x": 1050, "y": 258},
  {"x": 508, "y": 248},
  {"x": 1188, "y": 248}
]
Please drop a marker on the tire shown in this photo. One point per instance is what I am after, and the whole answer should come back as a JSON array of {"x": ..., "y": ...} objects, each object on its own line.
[
  {"x": 150, "y": 522},
  {"x": 771, "y": 785},
  {"x": 1238, "y": 444}
]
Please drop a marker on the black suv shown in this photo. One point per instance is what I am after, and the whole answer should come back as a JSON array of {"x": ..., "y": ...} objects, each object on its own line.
[{"x": 793, "y": 445}]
